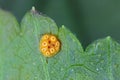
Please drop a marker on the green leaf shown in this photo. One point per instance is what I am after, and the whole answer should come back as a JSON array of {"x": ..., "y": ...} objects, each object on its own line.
[
  {"x": 9, "y": 30},
  {"x": 103, "y": 57},
  {"x": 20, "y": 58}
]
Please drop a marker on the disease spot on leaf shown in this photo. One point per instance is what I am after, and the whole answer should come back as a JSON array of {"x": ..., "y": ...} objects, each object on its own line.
[
  {"x": 44, "y": 43},
  {"x": 53, "y": 38},
  {"x": 49, "y": 45}
]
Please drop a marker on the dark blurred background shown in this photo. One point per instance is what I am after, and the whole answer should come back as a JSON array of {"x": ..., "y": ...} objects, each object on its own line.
[{"x": 87, "y": 19}]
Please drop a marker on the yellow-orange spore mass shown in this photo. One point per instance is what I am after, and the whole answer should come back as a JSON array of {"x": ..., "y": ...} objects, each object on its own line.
[{"x": 49, "y": 45}]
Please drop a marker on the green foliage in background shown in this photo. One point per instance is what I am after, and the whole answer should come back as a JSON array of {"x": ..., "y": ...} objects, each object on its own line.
[{"x": 20, "y": 58}]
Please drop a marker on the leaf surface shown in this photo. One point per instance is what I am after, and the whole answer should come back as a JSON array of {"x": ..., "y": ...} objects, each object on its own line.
[{"x": 20, "y": 58}]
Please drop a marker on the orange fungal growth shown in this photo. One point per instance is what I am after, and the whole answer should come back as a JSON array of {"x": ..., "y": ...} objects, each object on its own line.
[{"x": 49, "y": 45}]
